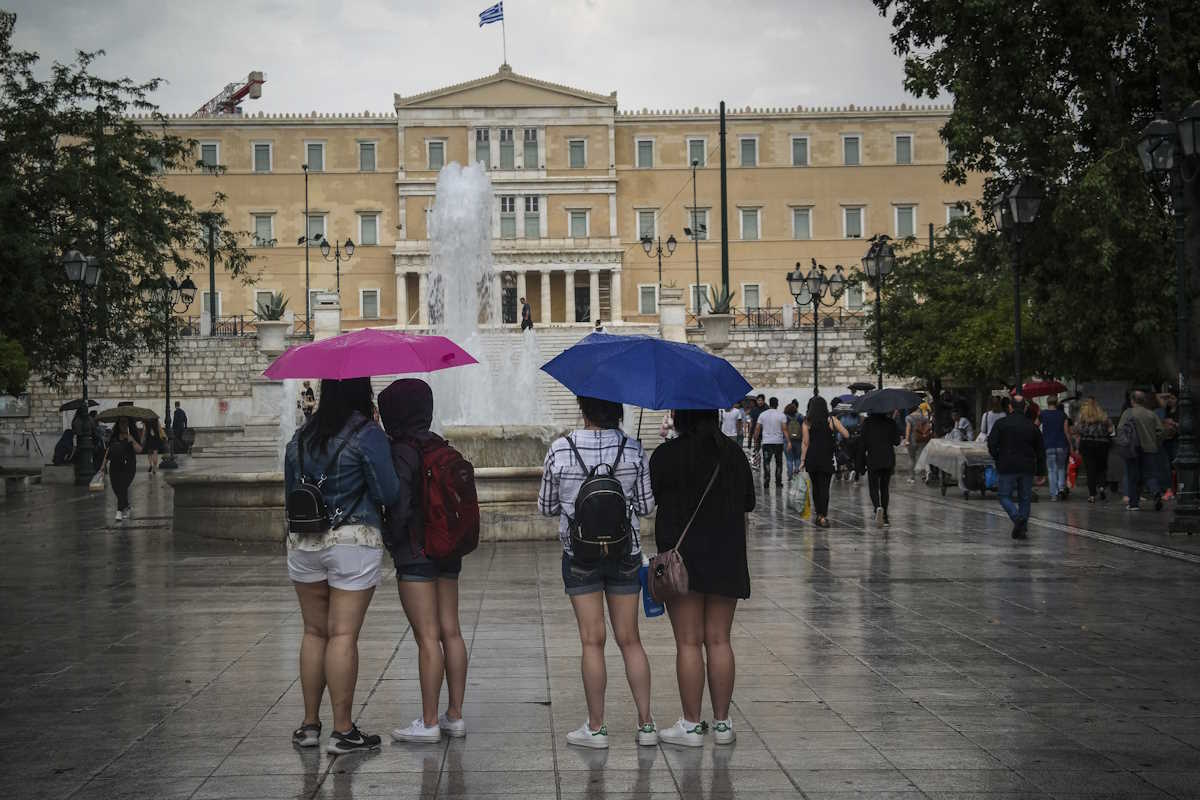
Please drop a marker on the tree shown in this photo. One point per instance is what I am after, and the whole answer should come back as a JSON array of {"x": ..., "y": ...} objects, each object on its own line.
[
  {"x": 80, "y": 173},
  {"x": 14, "y": 367},
  {"x": 1060, "y": 91}
]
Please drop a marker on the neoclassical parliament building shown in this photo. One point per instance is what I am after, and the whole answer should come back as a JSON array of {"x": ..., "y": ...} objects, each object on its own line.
[{"x": 578, "y": 183}]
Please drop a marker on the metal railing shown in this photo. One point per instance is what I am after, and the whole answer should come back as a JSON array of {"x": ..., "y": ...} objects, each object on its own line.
[
  {"x": 772, "y": 318},
  {"x": 238, "y": 325}
]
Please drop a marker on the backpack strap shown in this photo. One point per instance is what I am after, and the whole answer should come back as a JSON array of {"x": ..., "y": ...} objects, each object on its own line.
[
  {"x": 620, "y": 452},
  {"x": 578, "y": 456}
]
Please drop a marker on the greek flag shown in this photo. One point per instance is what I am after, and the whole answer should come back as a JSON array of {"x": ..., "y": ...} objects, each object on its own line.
[{"x": 493, "y": 14}]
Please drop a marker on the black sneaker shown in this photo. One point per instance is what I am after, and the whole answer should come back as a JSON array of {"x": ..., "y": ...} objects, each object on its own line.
[
  {"x": 1019, "y": 530},
  {"x": 307, "y": 735},
  {"x": 1158, "y": 502},
  {"x": 352, "y": 741}
]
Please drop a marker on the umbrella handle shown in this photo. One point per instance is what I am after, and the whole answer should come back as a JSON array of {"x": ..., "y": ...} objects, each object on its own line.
[{"x": 641, "y": 414}]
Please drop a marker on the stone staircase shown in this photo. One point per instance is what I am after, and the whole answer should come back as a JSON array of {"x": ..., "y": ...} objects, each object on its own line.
[{"x": 247, "y": 441}]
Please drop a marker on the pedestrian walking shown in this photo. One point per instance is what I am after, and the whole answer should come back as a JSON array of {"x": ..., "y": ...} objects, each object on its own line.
[
  {"x": 714, "y": 553},
  {"x": 772, "y": 433},
  {"x": 1016, "y": 445},
  {"x": 990, "y": 417},
  {"x": 308, "y": 400},
  {"x": 1057, "y": 438},
  {"x": 343, "y": 457},
  {"x": 601, "y": 448},
  {"x": 795, "y": 437},
  {"x": 816, "y": 453},
  {"x": 732, "y": 423},
  {"x": 1142, "y": 464},
  {"x": 179, "y": 423},
  {"x": 918, "y": 430},
  {"x": 1095, "y": 431},
  {"x": 123, "y": 449},
  {"x": 879, "y": 439},
  {"x": 526, "y": 315},
  {"x": 428, "y": 587},
  {"x": 153, "y": 444}
]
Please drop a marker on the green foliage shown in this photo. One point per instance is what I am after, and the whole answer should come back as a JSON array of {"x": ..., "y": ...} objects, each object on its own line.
[
  {"x": 80, "y": 173},
  {"x": 14, "y": 367},
  {"x": 720, "y": 303},
  {"x": 273, "y": 309}
]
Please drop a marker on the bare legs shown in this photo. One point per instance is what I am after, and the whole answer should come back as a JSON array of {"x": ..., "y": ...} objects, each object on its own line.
[
  {"x": 703, "y": 619},
  {"x": 329, "y": 650},
  {"x": 589, "y": 614},
  {"x": 314, "y": 608},
  {"x": 454, "y": 648},
  {"x": 432, "y": 611}
]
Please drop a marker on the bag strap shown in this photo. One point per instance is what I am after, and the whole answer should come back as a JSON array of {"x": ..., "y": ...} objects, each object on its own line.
[
  {"x": 707, "y": 488},
  {"x": 578, "y": 456}
]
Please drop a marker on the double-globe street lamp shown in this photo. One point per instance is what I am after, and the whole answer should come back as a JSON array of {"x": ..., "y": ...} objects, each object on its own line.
[
  {"x": 1172, "y": 150},
  {"x": 878, "y": 263},
  {"x": 820, "y": 289},
  {"x": 332, "y": 252},
  {"x": 654, "y": 248},
  {"x": 84, "y": 271},
  {"x": 172, "y": 297},
  {"x": 1013, "y": 213}
]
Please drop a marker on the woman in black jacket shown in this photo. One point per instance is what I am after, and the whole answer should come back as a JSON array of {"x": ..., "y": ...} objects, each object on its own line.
[
  {"x": 123, "y": 448},
  {"x": 714, "y": 552},
  {"x": 879, "y": 439}
]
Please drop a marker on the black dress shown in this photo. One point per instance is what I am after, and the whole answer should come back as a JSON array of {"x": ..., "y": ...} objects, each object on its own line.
[
  {"x": 819, "y": 455},
  {"x": 715, "y": 548}
]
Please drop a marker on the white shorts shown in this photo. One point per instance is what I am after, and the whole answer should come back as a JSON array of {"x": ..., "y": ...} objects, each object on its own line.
[{"x": 350, "y": 567}]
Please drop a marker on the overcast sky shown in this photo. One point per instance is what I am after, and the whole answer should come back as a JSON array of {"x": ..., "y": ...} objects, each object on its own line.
[{"x": 351, "y": 56}]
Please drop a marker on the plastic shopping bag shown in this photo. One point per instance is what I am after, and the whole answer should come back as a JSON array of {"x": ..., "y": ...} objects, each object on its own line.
[
  {"x": 799, "y": 497},
  {"x": 1073, "y": 470}
]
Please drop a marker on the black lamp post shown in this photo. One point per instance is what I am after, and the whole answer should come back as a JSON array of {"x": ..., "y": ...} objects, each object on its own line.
[
  {"x": 1012, "y": 214},
  {"x": 174, "y": 298},
  {"x": 338, "y": 257},
  {"x": 85, "y": 272},
  {"x": 655, "y": 248},
  {"x": 819, "y": 289},
  {"x": 877, "y": 263},
  {"x": 304, "y": 240},
  {"x": 1172, "y": 150}
]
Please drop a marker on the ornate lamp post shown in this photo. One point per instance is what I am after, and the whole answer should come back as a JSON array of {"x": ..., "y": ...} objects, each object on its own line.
[
  {"x": 1172, "y": 150},
  {"x": 655, "y": 248},
  {"x": 820, "y": 289},
  {"x": 174, "y": 298},
  {"x": 877, "y": 263},
  {"x": 84, "y": 271},
  {"x": 1012, "y": 215},
  {"x": 337, "y": 256}
]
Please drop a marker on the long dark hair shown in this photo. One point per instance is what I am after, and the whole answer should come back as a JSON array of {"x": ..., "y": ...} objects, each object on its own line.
[
  {"x": 339, "y": 400},
  {"x": 601, "y": 413},
  {"x": 690, "y": 422},
  {"x": 818, "y": 412}
]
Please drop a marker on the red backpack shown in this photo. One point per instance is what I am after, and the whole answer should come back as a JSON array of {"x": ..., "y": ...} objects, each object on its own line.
[{"x": 449, "y": 504}]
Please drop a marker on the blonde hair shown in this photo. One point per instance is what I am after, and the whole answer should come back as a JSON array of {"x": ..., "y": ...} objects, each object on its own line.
[{"x": 1091, "y": 412}]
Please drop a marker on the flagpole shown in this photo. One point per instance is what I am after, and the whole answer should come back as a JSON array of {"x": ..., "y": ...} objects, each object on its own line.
[{"x": 504, "y": 39}]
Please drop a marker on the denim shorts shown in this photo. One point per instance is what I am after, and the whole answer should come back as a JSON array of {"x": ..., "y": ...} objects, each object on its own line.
[
  {"x": 426, "y": 571},
  {"x": 614, "y": 577}
]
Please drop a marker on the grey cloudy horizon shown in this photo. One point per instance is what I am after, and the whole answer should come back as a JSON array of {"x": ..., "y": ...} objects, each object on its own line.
[{"x": 347, "y": 57}]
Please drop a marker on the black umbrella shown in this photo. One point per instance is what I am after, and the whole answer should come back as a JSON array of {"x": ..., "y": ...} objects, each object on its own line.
[
  {"x": 885, "y": 401},
  {"x": 861, "y": 386},
  {"x": 75, "y": 405}
]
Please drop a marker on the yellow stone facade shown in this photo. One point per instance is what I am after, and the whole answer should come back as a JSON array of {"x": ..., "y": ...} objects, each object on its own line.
[{"x": 577, "y": 182}]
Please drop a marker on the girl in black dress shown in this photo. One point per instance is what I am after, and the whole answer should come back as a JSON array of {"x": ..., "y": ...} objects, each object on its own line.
[
  {"x": 153, "y": 444},
  {"x": 816, "y": 453},
  {"x": 714, "y": 552}
]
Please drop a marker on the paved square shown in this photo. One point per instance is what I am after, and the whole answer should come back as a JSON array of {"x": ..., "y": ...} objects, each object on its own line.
[{"x": 936, "y": 659}]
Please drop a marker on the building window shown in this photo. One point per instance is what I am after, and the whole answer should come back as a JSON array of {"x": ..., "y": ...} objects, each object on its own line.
[
  {"x": 508, "y": 217},
  {"x": 749, "y": 218},
  {"x": 749, "y": 150},
  {"x": 316, "y": 156},
  {"x": 645, "y": 153},
  {"x": 263, "y": 298},
  {"x": 262, "y": 156},
  {"x": 437, "y": 153},
  {"x": 368, "y": 229},
  {"x": 801, "y": 223},
  {"x": 904, "y": 149},
  {"x": 507, "y": 153},
  {"x": 533, "y": 218},
  {"x": 751, "y": 295},
  {"x": 579, "y": 224},
  {"x": 577, "y": 153},
  {"x": 854, "y": 297},
  {"x": 699, "y": 222},
  {"x": 700, "y": 298},
  {"x": 531, "y": 148},
  {"x": 852, "y": 223},
  {"x": 697, "y": 152},
  {"x": 366, "y": 156},
  {"x": 955, "y": 211},
  {"x": 850, "y": 151},
  {"x": 368, "y": 304},
  {"x": 316, "y": 227},
  {"x": 483, "y": 147},
  {"x": 647, "y": 298},
  {"x": 264, "y": 230},
  {"x": 646, "y": 219},
  {"x": 906, "y": 221},
  {"x": 799, "y": 151},
  {"x": 206, "y": 303},
  {"x": 210, "y": 154}
]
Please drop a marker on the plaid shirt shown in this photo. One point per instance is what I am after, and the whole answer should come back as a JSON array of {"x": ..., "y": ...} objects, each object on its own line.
[{"x": 563, "y": 476}]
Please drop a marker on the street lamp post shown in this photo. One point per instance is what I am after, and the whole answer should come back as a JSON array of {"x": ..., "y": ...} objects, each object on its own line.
[
  {"x": 174, "y": 298},
  {"x": 338, "y": 257},
  {"x": 655, "y": 248},
  {"x": 1172, "y": 150},
  {"x": 85, "y": 272},
  {"x": 1013, "y": 213},
  {"x": 820, "y": 289},
  {"x": 878, "y": 262},
  {"x": 304, "y": 241}
]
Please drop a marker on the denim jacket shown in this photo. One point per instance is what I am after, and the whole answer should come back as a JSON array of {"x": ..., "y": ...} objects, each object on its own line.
[{"x": 365, "y": 461}]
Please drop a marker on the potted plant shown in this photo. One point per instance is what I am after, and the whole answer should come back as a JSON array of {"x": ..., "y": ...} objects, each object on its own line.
[
  {"x": 718, "y": 319},
  {"x": 272, "y": 327}
]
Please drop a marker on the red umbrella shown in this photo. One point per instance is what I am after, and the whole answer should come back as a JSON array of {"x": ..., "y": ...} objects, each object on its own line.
[{"x": 1042, "y": 388}]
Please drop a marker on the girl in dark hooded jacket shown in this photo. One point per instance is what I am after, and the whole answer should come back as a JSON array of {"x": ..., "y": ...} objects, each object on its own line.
[{"x": 428, "y": 588}]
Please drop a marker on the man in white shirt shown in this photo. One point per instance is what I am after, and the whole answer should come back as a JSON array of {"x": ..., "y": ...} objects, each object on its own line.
[
  {"x": 772, "y": 432},
  {"x": 731, "y": 423}
]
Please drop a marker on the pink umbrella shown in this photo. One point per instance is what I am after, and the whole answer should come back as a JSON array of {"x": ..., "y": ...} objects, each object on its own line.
[{"x": 368, "y": 352}]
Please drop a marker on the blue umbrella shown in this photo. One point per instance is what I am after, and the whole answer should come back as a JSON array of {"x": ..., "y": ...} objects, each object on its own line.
[{"x": 647, "y": 372}]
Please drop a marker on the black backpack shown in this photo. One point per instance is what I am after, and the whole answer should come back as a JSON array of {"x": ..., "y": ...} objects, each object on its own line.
[
  {"x": 601, "y": 528},
  {"x": 1129, "y": 444},
  {"x": 307, "y": 512}
]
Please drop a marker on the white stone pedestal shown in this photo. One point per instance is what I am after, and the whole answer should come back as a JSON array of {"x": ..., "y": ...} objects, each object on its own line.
[
  {"x": 327, "y": 316},
  {"x": 672, "y": 314}
]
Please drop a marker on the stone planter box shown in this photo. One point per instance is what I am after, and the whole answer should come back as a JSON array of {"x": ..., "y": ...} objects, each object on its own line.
[
  {"x": 272, "y": 335},
  {"x": 716, "y": 330}
]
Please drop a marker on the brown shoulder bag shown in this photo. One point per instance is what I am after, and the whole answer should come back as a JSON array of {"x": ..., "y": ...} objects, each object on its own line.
[{"x": 668, "y": 575}]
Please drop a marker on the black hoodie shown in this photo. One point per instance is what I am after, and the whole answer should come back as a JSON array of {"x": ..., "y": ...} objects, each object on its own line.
[{"x": 406, "y": 411}]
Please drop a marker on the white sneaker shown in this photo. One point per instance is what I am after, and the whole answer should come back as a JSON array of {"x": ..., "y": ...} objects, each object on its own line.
[
  {"x": 878, "y": 524},
  {"x": 584, "y": 736},
  {"x": 684, "y": 734},
  {"x": 455, "y": 728},
  {"x": 417, "y": 732},
  {"x": 647, "y": 735},
  {"x": 723, "y": 731},
  {"x": 120, "y": 516}
]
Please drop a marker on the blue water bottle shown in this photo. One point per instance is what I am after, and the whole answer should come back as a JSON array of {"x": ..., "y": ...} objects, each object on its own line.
[{"x": 652, "y": 607}]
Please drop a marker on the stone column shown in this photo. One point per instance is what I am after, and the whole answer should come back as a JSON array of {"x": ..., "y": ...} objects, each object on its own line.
[
  {"x": 570, "y": 298},
  {"x": 594, "y": 295},
  {"x": 521, "y": 287},
  {"x": 423, "y": 299},
  {"x": 401, "y": 298},
  {"x": 497, "y": 288},
  {"x": 615, "y": 297},
  {"x": 545, "y": 297}
]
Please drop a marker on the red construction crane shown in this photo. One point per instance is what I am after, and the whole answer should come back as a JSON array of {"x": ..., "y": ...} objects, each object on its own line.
[{"x": 230, "y": 99}]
